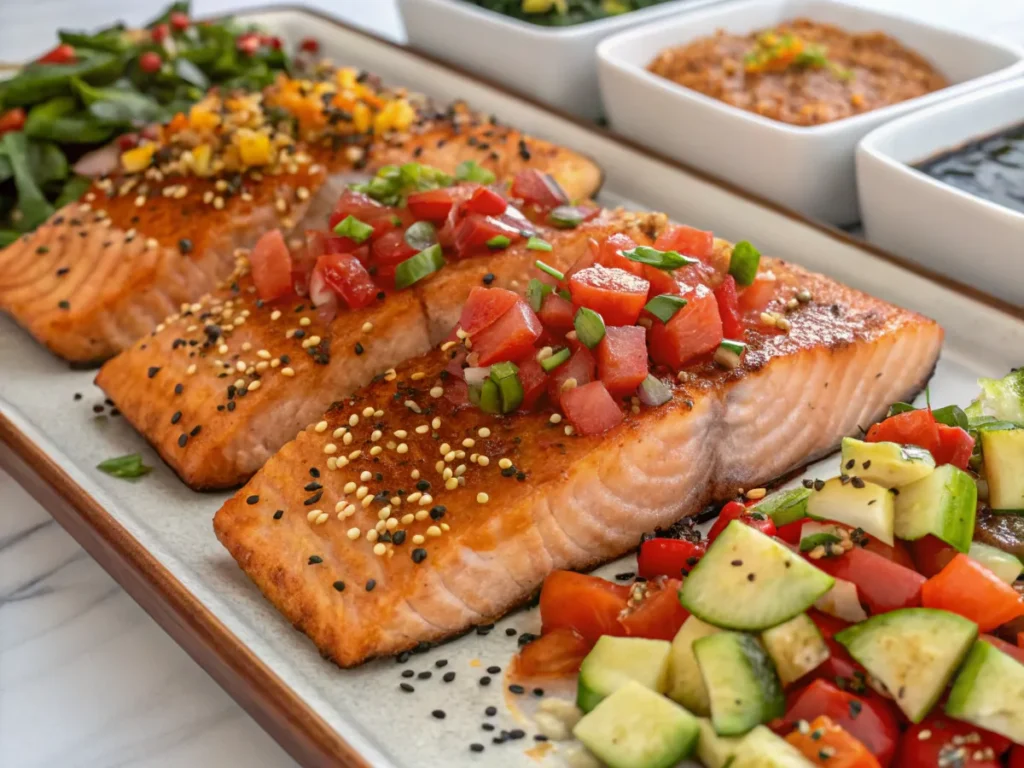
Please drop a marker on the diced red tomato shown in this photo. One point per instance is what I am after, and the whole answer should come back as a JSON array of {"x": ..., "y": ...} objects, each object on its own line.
[
  {"x": 826, "y": 744},
  {"x": 698, "y": 243},
  {"x": 554, "y": 654},
  {"x": 475, "y": 230},
  {"x": 930, "y": 554},
  {"x": 534, "y": 380},
  {"x": 484, "y": 306},
  {"x": 881, "y": 584},
  {"x": 389, "y": 251},
  {"x": 790, "y": 532},
  {"x": 930, "y": 743},
  {"x": 536, "y": 188},
  {"x": 864, "y": 716},
  {"x": 662, "y": 281},
  {"x": 694, "y": 330},
  {"x": 347, "y": 277},
  {"x": 586, "y": 604},
  {"x": 622, "y": 359},
  {"x": 591, "y": 409},
  {"x": 955, "y": 446},
  {"x": 1011, "y": 650},
  {"x": 728, "y": 308},
  {"x": 827, "y": 625},
  {"x": 580, "y": 366},
  {"x": 160, "y": 32},
  {"x": 1016, "y": 757},
  {"x": 180, "y": 21},
  {"x": 556, "y": 314},
  {"x": 668, "y": 557},
  {"x": 431, "y": 205},
  {"x": 309, "y": 45},
  {"x": 968, "y": 588},
  {"x": 659, "y": 615},
  {"x": 271, "y": 266},
  {"x": 352, "y": 203},
  {"x": 755, "y": 298},
  {"x": 12, "y": 120},
  {"x": 486, "y": 202},
  {"x": 909, "y": 428},
  {"x": 839, "y": 668},
  {"x": 150, "y": 62},
  {"x": 733, "y": 510},
  {"x": 248, "y": 43},
  {"x": 382, "y": 225},
  {"x": 897, "y": 553},
  {"x": 616, "y": 295},
  {"x": 62, "y": 54},
  {"x": 609, "y": 254},
  {"x": 510, "y": 337}
]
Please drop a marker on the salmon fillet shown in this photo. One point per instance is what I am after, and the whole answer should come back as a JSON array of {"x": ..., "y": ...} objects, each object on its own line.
[
  {"x": 217, "y": 397},
  {"x": 104, "y": 271},
  {"x": 529, "y": 498}
]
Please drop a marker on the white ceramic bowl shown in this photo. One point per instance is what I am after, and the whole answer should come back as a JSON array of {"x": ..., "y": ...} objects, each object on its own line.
[
  {"x": 808, "y": 169},
  {"x": 555, "y": 65},
  {"x": 939, "y": 226}
]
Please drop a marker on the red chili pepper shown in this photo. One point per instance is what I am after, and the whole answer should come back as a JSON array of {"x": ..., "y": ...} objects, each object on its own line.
[
  {"x": 150, "y": 62},
  {"x": 248, "y": 43},
  {"x": 309, "y": 45},
  {"x": 62, "y": 54},
  {"x": 12, "y": 120},
  {"x": 734, "y": 510},
  {"x": 271, "y": 41},
  {"x": 180, "y": 21},
  {"x": 159, "y": 33},
  {"x": 127, "y": 141},
  {"x": 728, "y": 308},
  {"x": 668, "y": 557}
]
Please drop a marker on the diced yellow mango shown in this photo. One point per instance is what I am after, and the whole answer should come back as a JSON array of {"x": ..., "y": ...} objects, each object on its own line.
[
  {"x": 138, "y": 159},
  {"x": 361, "y": 117},
  {"x": 201, "y": 160},
  {"x": 203, "y": 119},
  {"x": 397, "y": 115},
  {"x": 253, "y": 148}
]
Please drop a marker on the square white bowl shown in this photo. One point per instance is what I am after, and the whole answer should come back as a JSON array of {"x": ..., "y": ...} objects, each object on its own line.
[
  {"x": 937, "y": 225},
  {"x": 809, "y": 169},
  {"x": 555, "y": 65}
]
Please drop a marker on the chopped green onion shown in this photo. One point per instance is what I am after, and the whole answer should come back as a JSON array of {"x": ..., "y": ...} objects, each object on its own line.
[
  {"x": 421, "y": 235},
  {"x": 128, "y": 467},
  {"x": 538, "y": 244},
  {"x": 468, "y": 170},
  {"x": 816, "y": 540},
  {"x": 565, "y": 217},
  {"x": 353, "y": 229},
  {"x": 475, "y": 391},
  {"x": 393, "y": 182},
  {"x": 510, "y": 388},
  {"x": 743, "y": 262},
  {"x": 665, "y": 306},
  {"x": 564, "y": 294},
  {"x": 535, "y": 293},
  {"x": 730, "y": 353},
  {"x": 667, "y": 260},
  {"x": 550, "y": 270},
  {"x": 498, "y": 241},
  {"x": 396, "y": 220},
  {"x": 654, "y": 392},
  {"x": 417, "y": 267},
  {"x": 490, "y": 397},
  {"x": 550, "y": 363},
  {"x": 589, "y": 327}
]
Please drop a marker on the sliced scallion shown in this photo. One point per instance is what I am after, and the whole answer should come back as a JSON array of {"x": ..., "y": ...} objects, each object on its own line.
[
  {"x": 654, "y": 392},
  {"x": 550, "y": 363},
  {"x": 730, "y": 353},
  {"x": 421, "y": 235},
  {"x": 498, "y": 241},
  {"x": 490, "y": 397},
  {"x": 665, "y": 306},
  {"x": 589, "y": 327},
  {"x": 510, "y": 388},
  {"x": 535, "y": 293},
  {"x": 127, "y": 467},
  {"x": 565, "y": 217},
  {"x": 538, "y": 244},
  {"x": 415, "y": 268},
  {"x": 469, "y": 170},
  {"x": 564, "y": 294},
  {"x": 667, "y": 260},
  {"x": 743, "y": 262},
  {"x": 549, "y": 270},
  {"x": 353, "y": 229}
]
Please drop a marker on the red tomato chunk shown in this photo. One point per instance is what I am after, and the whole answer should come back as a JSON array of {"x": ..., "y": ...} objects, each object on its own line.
[
  {"x": 616, "y": 295},
  {"x": 590, "y": 409},
  {"x": 271, "y": 266},
  {"x": 483, "y": 307},
  {"x": 694, "y": 330},
  {"x": 510, "y": 337},
  {"x": 622, "y": 359},
  {"x": 686, "y": 240}
]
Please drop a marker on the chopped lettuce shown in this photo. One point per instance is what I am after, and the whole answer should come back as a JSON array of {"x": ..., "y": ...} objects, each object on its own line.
[{"x": 1000, "y": 399}]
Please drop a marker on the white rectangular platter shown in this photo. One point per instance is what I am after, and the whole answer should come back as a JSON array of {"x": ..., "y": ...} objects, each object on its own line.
[{"x": 156, "y": 537}]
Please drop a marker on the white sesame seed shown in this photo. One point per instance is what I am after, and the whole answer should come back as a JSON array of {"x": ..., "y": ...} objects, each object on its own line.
[
  {"x": 384, "y": 512},
  {"x": 436, "y": 392},
  {"x": 447, "y": 473},
  {"x": 222, "y": 349},
  {"x": 415, "y": 474},
  {"x": 350, "y": 486},
  {"x": 433, "y": 531},
  {"x": 569, "y": 430},
  {"x": 460, "y": 470},
  {"x": 484, "y": 432},
  {"x": 362, "y": 491},
  {"x": 321, "y": 426},
  {"x": 439, "y": 466},
  {"x": 322, "y": 518},
  {"x": 287, "y": 372},
  {"x": 354, "y": 533},
  {"x": 366, "y": 476},
  {"x": 275, "y": 315},
  {"x": 505, "y": 463},
  {"x": 422, "y": 429},
  {"x": 555, "y": 418},
  {"x": 367, "y": 412},
  {"x": 332, "y": 463},
  {"x": 418, "y": 375},
  {"x": 371, "y": 535},
  {"x": 190, "y": 370},
  {"x": 347, "y": 438},
  {"x": 418, "y": 539},
  {"x": 367, "y": 327},
  {"x": 436, "y": 423},
  {"x": 413, "y": 497},
  {"x": 402, "y": 448},
  {"x": 445, "y": 527},
  {"x": 407, "y": 519},
  {"x": 756, "y": 493},
  {"x": 426, "y": 500},
  {"x": 353, "y": 420},
  {"x": 469, "y": 442},
  {"x": 376, "y": 450},
  {"x": 340, "y": 431},
  {"x": 482, "y": 498},
  {"x": 312, "y": 515},
  {"x": 483, "y": 461},
  {"x": 451, "y": 483},
  {"x": 354, "y": 455},
  {"x": 330, "y": 448}
]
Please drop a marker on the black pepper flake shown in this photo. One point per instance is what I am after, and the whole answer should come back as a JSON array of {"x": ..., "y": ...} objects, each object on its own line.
[
  {"x": 299, "y": 334},
  {"x": 232, "y": 405},
  {"x": 508, "y": 472},
  {"x": 359, "y": 348},
  {"x": 63, "y": 271},
  {"x": 751, "y": 577},
  {"x": 315, "y": 560},
  {"x": 313, "y": 499},
  {"x": 406, "y": 687},
  {"x": 97, "y": 409},
  {"x": 539, "y": 737},
  {"x": 488, "y": 278},
  {"x": 254, "y": 499},
  {"x": 419, "y": 555},
  {"x": 153, "y": 371},
  {"x": 185, "y": 246},
  {"x": 370, "y": 585},
  {"x": 438, "y": 713},
  {"x": 855, "y": 708},
  {"x": 179, "y": 388},
  {"x": 176, "y": 417},
  {"x": 182, "y": 439},
  {"x": 42, "y": 249},
  {"x": 819, "y": 484},
  {"x": 64, "y": 305},
  {"x": 78, "y": 395},
  {"x": 277, "y": 516},
  {"x": 516, "y": 689},
  {"x": 196, "y": 430},
  {"x": 398, "y": 538},
  {"x": 808, "y": 483}
]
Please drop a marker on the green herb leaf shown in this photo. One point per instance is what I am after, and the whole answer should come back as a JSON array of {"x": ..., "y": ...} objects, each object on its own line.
[
  {"x": 118, "y": 106},
  {"x": 566, "y": 217},
  {"x": 744, "y": 262},
  {"x": 535, "y": 293},
  {"x": 417, "y": 267},
  {"x": 667, "y": 260},
  {"x": 665, "y": 306},
  {"x": 498, "y": 241},
  {"x": 190, "y": 73},
  {"x": 550, "y": 363},
  {"x": 127, "y": 467},
  {"x": 510, "y": 389},
  {"x": 61, "y": 120},
  {"x": 538, "y": 244},
  {"x": 47, "y": 161},
  {"x": 468, "y": 170},
  {"x": 73, "y": 190},
  {"x": 353, "y": 229},
  {"x": 589, "y": 327},
  {"x": 549, "y": 270},
  {"x": 32, "y": 206}
]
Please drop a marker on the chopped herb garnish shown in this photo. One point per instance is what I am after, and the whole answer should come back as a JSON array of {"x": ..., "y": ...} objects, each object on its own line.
[
  {"x": 538, "y": 244},
  {"x": 469, "y": 170},
  {"x": 510, "y": 389},
  {"x": 417, "y": 267},
  {"x": 589, "y": 327},
  {"x": 744, "y": 262},
  {"x": 498, "y": 241},
  {"x": 353, "y": 229},
  {"x": 549, "y": 270},
  {"x": 535, "y": 293},
  {"x": 665, "y": 306},
  {"x": 667, "y": 260},
  {"x": 566, "y": 217},
  {"x": 550, "y": 363},
  {"x": 129, "y": 466}
]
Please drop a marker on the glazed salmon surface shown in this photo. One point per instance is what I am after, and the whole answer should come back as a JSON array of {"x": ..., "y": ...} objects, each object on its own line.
[
  {"x": 107, "y": 269},
  {"x": 223, "y": 384},
  {"x": 395, "y": 519}
]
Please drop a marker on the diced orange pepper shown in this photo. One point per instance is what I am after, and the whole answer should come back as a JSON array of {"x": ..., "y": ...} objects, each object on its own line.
[{"x": 826, "y": 744}]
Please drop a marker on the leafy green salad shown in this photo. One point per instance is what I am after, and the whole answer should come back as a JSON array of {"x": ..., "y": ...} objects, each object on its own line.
[{"x": 563, "y": 13}]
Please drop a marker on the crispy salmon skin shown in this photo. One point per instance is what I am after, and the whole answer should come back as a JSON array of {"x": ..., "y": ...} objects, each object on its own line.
[
  {"x": 395, "y": 519},
  {"x": 107, "y": 269}
]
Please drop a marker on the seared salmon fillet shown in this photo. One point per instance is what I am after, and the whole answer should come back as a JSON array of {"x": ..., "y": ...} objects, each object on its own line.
[
  {"x": 221, "y": 386},
  {"x": 438, "y": 519},
  {"x": 105, "y": 270}
]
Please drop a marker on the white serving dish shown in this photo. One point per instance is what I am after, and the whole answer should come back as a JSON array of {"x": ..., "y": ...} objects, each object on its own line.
[
  {"x": 808, "y": 169},
  {"x": 939, "y": 226},
  {"x": 555, "y": 65},
  {"x": 155, "y": 536}
]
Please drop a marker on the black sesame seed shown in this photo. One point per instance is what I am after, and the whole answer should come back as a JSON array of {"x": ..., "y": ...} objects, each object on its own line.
[
  {"x": 78, "y": 395},
  {"x": 254, "y": 499},
  {"x": 370, "y": 585},
  {"x": 626, "y": 576},
  {"x": 850, "y": 464},
  {"x": 425, "y": 675},
  {"x": 176, "y": 417},
  {"x": 407, "y": 673},
  {"x": 485, "y": 680},
  {"x": 299, "y": 334},
  {"x": 448, "y": 677},
  {"x": 313, "y": 499},
  {"x": 423, "y": 485},
  {"x": 539, "y": 737},
  {"x": 314, "y": 472},
  {"x": 867, "y": 464},
  {"x": 314, "y": 486},
  {"x": 185, "y": 246},
  {"x": 486, "y": 727},
  {"x": 182, "y": 439},
  {"x": 436, "y": 513},
  {"x": 488, "y": 278},
  {"x": 315, "y": 560},
  {"x": 359, "y": 348},
  {"x": 491, "y": 711},
  {"x": 494, "y": 670},
  {"x": 526, "y": 638},
  {"x": 441, "y": 663},
  {"x": 406, "y": 687},
  {"x": 476, "y": 747},
  {"x": 196, "y": 430},
  {"x": 153, "y": 371},
  {"x": 438, "y": 713},
  {"x": 64, "y": 304},
  {"x": 398, "y": 537},
  {"x": 403, "y": 657},
  {"x": 510, "y": 632},
  {"x": 857, "y": 482},
  {"x": 819, "y": 484},
  {"x": 516, "y": 733},
  {"x": 419, "y": 555},
  {"x": 231, "y": 405},
  {"x": 179, "y": 388},
  {"x": 538, "y": 692},
  {"x": 277, "y": 516},
  {"x": 751, "y": 577},
  {"x": 516, "y": 689}
]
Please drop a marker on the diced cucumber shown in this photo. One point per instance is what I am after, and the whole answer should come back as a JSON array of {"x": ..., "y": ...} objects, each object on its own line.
[
  {"x": 1003, "y": 452},
  {"x": 943, "y": 504},
  {"x": 1001, "y": 399},
  {"x": 763, "y": 749},
  {"x": 814, "y": 535},
  {"x": 889, "y": 465},
  {"x": 715, "y": 751},
  {"x": 638, "y": 728},
  {"x": 614, "y": 661},
  {"x": 855, "y": 503},
  {"x": 685, "y": 684},
  {"x": 743, "y": 688},
  {"x": 747, "y": 580},
  {"x": 989, "y": 692},
  {"x": 785, "y": 507},
  {"x": 912, "y": 651},
  {"x": 1004, "y": 565},
  {"x": 842, "y": 601},
  {"x": 795, "y": 648}
]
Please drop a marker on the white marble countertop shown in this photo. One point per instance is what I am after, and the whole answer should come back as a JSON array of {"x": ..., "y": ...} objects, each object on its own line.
[{"x": 86, "y": 677}]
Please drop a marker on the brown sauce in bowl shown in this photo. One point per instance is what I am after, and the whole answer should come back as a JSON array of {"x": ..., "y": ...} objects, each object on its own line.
[{"x": 801, "y": 72}]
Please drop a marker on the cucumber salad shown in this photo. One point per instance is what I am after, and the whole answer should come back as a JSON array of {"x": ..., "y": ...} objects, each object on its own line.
[{"x": 866, "y": 620}]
